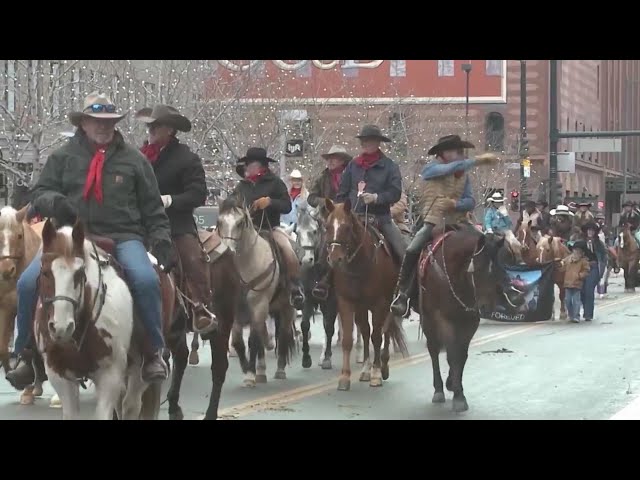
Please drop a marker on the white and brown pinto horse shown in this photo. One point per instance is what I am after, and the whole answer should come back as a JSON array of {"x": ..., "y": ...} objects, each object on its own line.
[{"x": 84, "y": 328}]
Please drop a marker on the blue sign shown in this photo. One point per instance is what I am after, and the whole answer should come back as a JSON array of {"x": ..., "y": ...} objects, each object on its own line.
[{"x": 206, "y": 217}]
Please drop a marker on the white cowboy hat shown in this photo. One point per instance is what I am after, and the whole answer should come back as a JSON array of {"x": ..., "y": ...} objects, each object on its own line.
[
  {"x": 96, "y": 105},
  {"x": 561, "y": 210},
  {"x": 496, "y": 198},
  {"x": 337, "y": 151},
  {"x": 295, "y": 174}
]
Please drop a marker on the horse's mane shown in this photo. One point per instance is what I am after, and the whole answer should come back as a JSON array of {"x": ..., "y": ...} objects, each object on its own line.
[
  {"x": 232, "y": 202},
  {"x": 8, "y": 217}
]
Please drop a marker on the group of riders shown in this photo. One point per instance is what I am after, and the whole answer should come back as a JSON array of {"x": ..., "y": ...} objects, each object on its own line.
[{"x": 144, "y": 198}]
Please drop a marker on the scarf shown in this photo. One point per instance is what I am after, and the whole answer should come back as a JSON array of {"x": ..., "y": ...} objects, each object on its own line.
[
  {"x": 367, "y": 160},
  {"x": 294, "y": 192},
  {"x": 257, "y": 176},
  {"x": 335, "y": 177},
  {"x": 152, "y": 150},
  {"x": 94, "y": 177}
]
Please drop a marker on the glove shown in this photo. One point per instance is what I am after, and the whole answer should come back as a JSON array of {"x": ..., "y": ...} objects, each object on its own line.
[
  {"x": 486, "y": 159},
  {"x": 489, "y": 231},
  {"x": 163, "y": 251},
  {"x": 448, "y": 204},
  {"x": 64, "y": 212},
  {"x": 166, "y": 200},
  {"x": 261, "y": 203},
  {"x": 369, "y": 198}
]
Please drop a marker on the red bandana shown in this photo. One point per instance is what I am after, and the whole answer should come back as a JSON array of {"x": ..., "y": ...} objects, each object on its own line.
[
  {"x": 294, "y": 192},
  {"x": 257, "y": 176},
  {"x": 335, "y": 177},
  {"x": 94, "y": 177},
  {"x": 152, "y": 150},
  {"x": 367, "y": 160}
]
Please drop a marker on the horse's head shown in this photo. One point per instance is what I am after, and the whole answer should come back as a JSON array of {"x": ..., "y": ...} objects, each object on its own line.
[
  {"x": 487, "y": 274},
  {"x": 12, "y": 246},
  {"x": 308, "y": 233},
  {"x": 550, "y": 249},
  {"x": 62, "y": 278},
  {"x": 233, "y": 220},
  {"x": 341, "y": 232}
]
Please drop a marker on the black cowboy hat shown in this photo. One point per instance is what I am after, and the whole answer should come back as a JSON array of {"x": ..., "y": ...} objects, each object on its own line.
[
  {"x": 628, "y": 203},
  {"x": 585, "y": 204},
  {"x": 164, "y": 115},
  {"x": 372, "y": 131},
  {"x": 449, "y": 142},
  {"x": 256, "y": 154},
  {"x": 240, "y": 168},
  {"x": 581, "y": 244},
  {"x": 530, "y": 204},
  {"x": 591, "y": 225},
  {"x": 544, "y": 203}
]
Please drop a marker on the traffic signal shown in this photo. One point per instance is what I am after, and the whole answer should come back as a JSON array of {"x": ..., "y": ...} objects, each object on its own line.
[{"x": 515, "y": 204}]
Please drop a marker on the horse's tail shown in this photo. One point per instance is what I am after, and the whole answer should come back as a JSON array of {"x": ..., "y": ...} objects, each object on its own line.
[{"x": 393, "y": 328}]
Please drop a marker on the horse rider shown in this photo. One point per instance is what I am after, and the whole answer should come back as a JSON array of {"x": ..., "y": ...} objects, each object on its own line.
[
  {"x": 399, "y": 214},
  {"x": 631, "y": 216},
  {"x": 268, "y": 197},
  {"x": 545, "y": 217},
  {"x": 297, "y": 194},
  {"x": 528, "y": 211},
  {"x": 326, "y": 185},
  {"x": 372, "y": 181},
  {"x": 605, "y": 231},
  {"x": 447, "y": 195},
  {"x": 183, "y": 188},
  {"x": 583, "y": 215},
  {"x": 122, "y": 204},
  {"x": 498, "y": 221},
  {"x": 561, "y": 221}
]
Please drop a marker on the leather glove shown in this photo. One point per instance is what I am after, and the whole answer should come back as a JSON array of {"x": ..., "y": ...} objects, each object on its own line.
[
  {"x": 163, "y": 251},
  {"x": 486, "y": 158},
  {"x": 64, "y": 212},
  {"x": 369, "y": 198},
  {"x": 167, "y": 200},
  {"x": 261, "y": 203},
  {"x": 448, "y": 204}
]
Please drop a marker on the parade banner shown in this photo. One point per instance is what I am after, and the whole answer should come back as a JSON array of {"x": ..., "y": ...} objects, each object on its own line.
[{"x": 528, "y": 297}]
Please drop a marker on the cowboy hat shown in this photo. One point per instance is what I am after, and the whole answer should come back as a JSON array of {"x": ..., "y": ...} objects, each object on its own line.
[
  {"x": 257, "y": 154},
  {"x": 585, "y": 204},
  {"x": 296, "y": 174},
  {"x": 165, "y": 115},
  {"x": 337, "y": 151},
  {"x": 449, "y": 142},
  {"x": 591, "y": 225},
  {"x": 628, "y": 203},
  {"x": 372, "y": 131},
  {"x": 582, "y": 245},
  {"x": 96, "y": 105},
  {"x": 496, "y": 198},
  {"x": 561, "y": 210}
]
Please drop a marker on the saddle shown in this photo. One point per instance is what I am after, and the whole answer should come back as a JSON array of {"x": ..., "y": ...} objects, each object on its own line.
[
  {"x": 438, "y": 236},
  {"x": 373, "y": 226}
]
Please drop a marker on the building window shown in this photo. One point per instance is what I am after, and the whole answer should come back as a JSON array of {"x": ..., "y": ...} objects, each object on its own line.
[
  {"x": 445, "y": 68},
  {"x": 494, "y": 67},
  {"x": 494, "y": 132},
  {"x": 398, "y": 68}
]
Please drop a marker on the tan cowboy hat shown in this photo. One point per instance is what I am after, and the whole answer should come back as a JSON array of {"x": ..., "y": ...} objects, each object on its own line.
[
  {"x": 337, "y": 151},
  {"x": 96, "y": 105},
  {"x": 296, "y": 174},
  {"x": 165, "y": 115}
]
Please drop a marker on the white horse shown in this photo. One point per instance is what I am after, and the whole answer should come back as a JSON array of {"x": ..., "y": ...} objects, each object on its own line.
[
  {"x": 260, "y": 275},
  {"x": 84, "y": 327}
]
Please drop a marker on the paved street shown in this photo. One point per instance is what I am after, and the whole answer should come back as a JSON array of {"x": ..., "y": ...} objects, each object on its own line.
[{"x": 551, "y": 370}]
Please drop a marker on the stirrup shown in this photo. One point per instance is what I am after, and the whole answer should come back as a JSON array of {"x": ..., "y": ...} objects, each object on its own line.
[
  {"x": 394, "y": 305},
  {"x": 319, "y": 294}
]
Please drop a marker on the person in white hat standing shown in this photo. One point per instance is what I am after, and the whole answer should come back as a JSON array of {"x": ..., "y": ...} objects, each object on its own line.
[
  {"x": 497, "y": 220},
  {"x": 298, "y": 194}
]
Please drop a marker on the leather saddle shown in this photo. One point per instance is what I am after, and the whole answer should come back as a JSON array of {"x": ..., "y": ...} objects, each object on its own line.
[
  {"x": 373, "y": 226},
  {"x": 439, "y": 234}
]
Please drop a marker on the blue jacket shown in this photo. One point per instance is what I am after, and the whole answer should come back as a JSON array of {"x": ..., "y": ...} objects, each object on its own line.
[
  {"x": 495, "y": 221},
  {"x": 466, "y": 202},
  {"x": 382, "y": 178}
]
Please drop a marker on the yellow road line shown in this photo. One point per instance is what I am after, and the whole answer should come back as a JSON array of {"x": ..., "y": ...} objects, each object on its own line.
[{"x": 295, "y": 394}]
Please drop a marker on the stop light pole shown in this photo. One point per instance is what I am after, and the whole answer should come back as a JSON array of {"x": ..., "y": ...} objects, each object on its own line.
[{"x": 525, "y": 163}]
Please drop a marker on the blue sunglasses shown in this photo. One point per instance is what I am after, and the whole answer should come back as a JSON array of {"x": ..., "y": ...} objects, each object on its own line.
[{"x": 98, "y": 108}]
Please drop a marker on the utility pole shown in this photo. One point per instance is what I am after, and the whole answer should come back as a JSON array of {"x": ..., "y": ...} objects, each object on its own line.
[{"x": 525, "y": 163}]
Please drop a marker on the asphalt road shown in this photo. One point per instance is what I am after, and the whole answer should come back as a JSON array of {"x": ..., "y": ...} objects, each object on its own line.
[{"x": 550, "y": 370}]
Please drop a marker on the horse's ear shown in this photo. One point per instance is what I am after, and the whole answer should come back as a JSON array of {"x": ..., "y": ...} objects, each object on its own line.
[
  {"x": 49, "y": 235},
  {"x": 78, "y": 238},
  {"x": 550, "y": 240},
  {"x": 22, "y": 213},
  {"x": 328, "y": 205},
  {"x": 347, "y": 205}
]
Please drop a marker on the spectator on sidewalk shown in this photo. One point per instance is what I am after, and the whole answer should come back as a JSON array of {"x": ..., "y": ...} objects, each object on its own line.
[{"x": 577, "y": 269}]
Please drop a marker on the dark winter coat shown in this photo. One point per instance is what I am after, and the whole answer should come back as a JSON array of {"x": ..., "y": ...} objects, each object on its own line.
[
  {"x": 270, "y": 186},
  {"x": 131, "y": 207},
  {"x": 180, "y": 174},
  {"x": 321, "y": 189}
]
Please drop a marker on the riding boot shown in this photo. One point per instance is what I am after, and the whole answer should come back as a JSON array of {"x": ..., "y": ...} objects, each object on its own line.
[
  {"x": 297, "y": 293},
  {"x": 24, "y": 374},
  {"x": 400, "y": 305},
  {"x": 321, "y": 289},
  {"x": 154, "y": 368}
]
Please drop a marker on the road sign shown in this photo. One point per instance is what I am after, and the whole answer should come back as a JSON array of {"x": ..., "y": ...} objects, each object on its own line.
[
  {"x": 206, "y": 217},
  {"x": 596, "y": 145},
  {"x": 567, "y": 162},
  {"x": 526, "y": 163},
  {"x": 526, "y": 172},
  {"x": 513, "y": 166}
]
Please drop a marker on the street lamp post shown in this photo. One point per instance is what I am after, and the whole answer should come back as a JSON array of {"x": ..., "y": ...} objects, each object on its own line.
[
  {"x": 525, "y": 163},
  {"x": 466, "y": 68}
]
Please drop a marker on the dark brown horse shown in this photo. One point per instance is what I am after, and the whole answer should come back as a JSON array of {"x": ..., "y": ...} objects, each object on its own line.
[
  {"x": 364, "y": 279},
  {"x": 458, "y": 275},
  {"x": 628, "y": 255}
]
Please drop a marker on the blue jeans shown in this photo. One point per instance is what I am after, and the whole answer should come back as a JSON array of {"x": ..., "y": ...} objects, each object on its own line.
[
  {"x": 572, "y": 298},
  {"x": 142, "y": 280},
  {"x": 588, "y": 291}
]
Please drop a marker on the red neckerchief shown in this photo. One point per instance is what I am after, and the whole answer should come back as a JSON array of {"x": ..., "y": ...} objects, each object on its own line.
[
  {"x": 335, "y": 177},
  {"x": 152, "y": 150},
  {"x": 94, "y": 177},
  {"x": 257, "y": 176},
  {"x": 294, "y": 192},
  {"x": 368, "y": 160}
]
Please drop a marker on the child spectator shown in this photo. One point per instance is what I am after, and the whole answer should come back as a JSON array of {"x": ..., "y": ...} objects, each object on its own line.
[{"x": 577, "y": 269}]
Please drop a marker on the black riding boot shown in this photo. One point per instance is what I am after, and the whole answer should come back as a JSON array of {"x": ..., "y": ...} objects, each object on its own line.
[
  {"x": 400, "y": 305},
  {"x": 321, "y": 290},
  {"x": 297, "y": 294},
  {"x": 24, "y": 374}
]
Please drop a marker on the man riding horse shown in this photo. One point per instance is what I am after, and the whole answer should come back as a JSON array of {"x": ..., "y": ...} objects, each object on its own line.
[
  {"x": 268, "y": 197},
  {"x": 446, "y": 195},
  {"x": 183, "y": 188},
  {"x": 583, "y": 215},
  {"x": 631, "y": 216},
  {"x": 108, "y": 185},
  {"x": 497, "y": 220}
]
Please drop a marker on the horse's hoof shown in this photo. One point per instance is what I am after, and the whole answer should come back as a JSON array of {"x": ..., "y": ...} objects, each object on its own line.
[
  {"x": 37, "y": 391},
  {"x": 365, "y": 376},
  {"x": 375, "y": 382},
  {"x": 448, "y": 384},
  {"x": 177, "y": 415},
  {"x": 232, "y": 352},
  {"x": 360, "y": 358},
  {"x": 27, "y": 398},
  {"x": 249, "y": 382},
  {"x": 438, "y": 397},
  {"x": 261, "y": 378},
  {"x": 385, "y": 371},
  {"x": 563, "y": 316},
  {"x": 194, "y": 359},
  {"x": 306, "y": 361},
  {"x": 55, "y": 402},
  {"x": 629, "y": 290},
  {"x": 280, "y": 375},
  {"x": 460, "y": 405},
  {"x": 344, "y": 384},
  {"x": 326, "y": 364}
]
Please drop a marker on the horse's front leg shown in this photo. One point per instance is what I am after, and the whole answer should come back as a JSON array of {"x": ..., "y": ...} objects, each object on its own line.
[
  {"x": 109, "y": 387},
  {"x": 194, "y": 358},
  {"x": 346, "y": 311},
  {"x": 69, "y": 393},
  {"x": 563, "y": 308}
]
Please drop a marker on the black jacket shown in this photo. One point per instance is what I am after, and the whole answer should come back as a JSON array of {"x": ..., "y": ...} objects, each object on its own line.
[
  {"x": 180, "y": 174},
  {"x": 131, "y": 207},
  {"x": 631, "y": 218},
  {"x": 382, "y": 178},
  {"x": 270, "y": 186}
]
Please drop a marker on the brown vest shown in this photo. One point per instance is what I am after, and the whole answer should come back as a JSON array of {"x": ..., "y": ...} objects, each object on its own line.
[{"x": 432, "y": 208}]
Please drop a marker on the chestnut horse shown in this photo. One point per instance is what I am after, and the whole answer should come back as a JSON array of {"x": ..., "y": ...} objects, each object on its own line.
[
  {"x": 628, "y": 255},
  {"x": 364, "y": 279},
  {"x": 552, "y": 249},
  {"x": 459, "y": 274}
]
